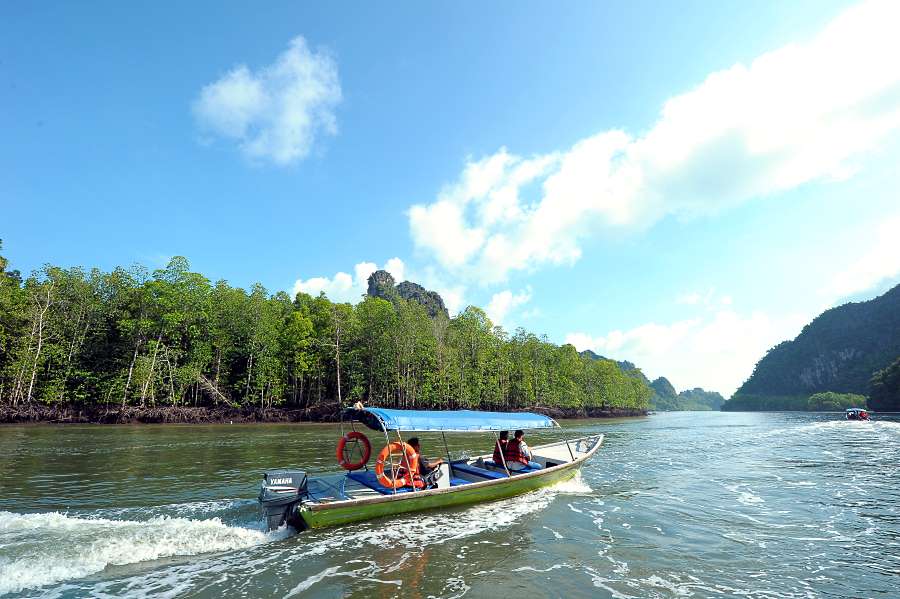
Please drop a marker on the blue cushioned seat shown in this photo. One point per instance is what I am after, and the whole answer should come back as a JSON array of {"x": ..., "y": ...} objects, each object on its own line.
[
  {"x": 525, "y": 469},
  {"x": 368, "y": 478},
  {"x": 470, "y": 469}
]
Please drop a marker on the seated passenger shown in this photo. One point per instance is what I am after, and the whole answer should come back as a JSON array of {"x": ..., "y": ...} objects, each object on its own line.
[
  {"x": 518, "y": 455},
  {"x": 427, "y": 470},
  {"x": 500, "y": 447}
]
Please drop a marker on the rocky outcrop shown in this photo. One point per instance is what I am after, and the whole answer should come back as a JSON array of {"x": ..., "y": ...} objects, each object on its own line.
[
  {"x": 381, "y": 284},
  {"x": 432, "y": 301}
]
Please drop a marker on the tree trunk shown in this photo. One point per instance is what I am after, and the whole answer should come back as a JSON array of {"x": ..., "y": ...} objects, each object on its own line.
[
  {"x": 18, "y": 391},
  {"x": 130, "y": 372},
  {"x": 249, "y": 373},
  {"x": 152, "y": 368},
  {"x": 218, "y": 369},
  {"x": 337, "y": 357},
  {"x": 40, "y": 343}
]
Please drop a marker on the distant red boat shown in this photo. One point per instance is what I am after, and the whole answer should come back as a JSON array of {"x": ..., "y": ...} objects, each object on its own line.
[{"x": 856, "y": 414}]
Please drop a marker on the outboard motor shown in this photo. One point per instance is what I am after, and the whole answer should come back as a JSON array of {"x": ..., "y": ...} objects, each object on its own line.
[{"x": 279, "y": 494}]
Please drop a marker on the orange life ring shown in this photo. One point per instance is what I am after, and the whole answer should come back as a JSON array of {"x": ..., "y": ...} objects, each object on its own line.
[
  {"x": 403, "y": 462},
  {"x": 342, "y": 457}
]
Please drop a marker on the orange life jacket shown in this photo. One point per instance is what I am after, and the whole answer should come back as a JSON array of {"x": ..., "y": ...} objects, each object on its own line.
[{"x": 513, "y": 452}]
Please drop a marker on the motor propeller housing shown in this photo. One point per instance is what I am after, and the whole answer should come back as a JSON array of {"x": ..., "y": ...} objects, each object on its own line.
[{"x": 279, "y": 493}]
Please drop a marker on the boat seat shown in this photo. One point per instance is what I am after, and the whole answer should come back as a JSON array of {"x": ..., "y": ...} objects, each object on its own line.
[
  {"x": 368, "y": 478},
  {"x": 483, "y": 472},
  {"x": 519, "y": 471}
]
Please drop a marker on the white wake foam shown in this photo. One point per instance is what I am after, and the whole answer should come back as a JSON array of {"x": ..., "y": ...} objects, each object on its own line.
[
  {"x": 41, "y": 549},
  {"x": 62, "y": 547}
]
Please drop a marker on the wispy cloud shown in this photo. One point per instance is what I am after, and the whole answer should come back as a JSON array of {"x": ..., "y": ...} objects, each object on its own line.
[
  {"x": 276, "y": 112},
  {"x": 716, "y": 350},
  {"x": 805, "y": 112}
]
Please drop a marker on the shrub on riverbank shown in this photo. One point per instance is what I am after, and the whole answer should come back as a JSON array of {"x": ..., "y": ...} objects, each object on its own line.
[{"x": 834, "y": 402}]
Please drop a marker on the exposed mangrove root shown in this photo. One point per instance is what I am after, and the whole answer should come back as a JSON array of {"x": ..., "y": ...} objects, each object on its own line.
[{"x": 98, "y": 414}]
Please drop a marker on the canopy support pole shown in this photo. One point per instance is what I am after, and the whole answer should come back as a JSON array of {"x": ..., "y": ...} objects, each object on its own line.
[
  {"x": 412, "y": 477},
  {"x": 569, "y": 447},
  {"x": 502, "y": 457},
  {"x": 446, "y": 448},
  {"x": 387, "y": 442}
]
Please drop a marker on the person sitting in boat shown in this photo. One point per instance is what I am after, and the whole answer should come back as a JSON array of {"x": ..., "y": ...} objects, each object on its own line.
[
  {"x": 427, "y": 470},
  {"x": 500, "y": 447},
  {"x": 518, "y": 455}
]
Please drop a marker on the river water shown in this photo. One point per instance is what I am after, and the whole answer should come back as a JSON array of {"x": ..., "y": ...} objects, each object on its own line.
[{"x": 673, "y": 505}]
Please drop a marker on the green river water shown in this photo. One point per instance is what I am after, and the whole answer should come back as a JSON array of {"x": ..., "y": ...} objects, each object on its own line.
[{"x": 673, "y": 505}]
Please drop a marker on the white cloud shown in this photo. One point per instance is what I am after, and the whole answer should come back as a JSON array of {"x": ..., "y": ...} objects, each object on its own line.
[
  {"x": 879, "y": 261},
  {"x": 803, "y": 113},
  {"x": 502, "y": 303},
  {"x": 716, "y": 351},
  {"x": 276, "y": 112},
  {"x": 343, "y": 287}
]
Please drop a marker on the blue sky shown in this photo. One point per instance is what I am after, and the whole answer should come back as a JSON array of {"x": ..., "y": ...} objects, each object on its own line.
[{"x": 678, "y": 185}]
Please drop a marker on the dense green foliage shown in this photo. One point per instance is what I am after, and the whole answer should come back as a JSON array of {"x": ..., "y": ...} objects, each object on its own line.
[
  {"x": 173, "y": 338},
  {"x": 666, "y": 399},
  {"x": 884, "y": 393},
  {"x": 838, "y": 351},
  {"x": 698, "y": 399},
  {"x": 830, "y": 401}
]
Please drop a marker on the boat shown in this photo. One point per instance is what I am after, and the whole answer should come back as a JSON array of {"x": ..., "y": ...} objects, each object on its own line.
[
  {"x": 856, "y": 414},
  {"x": 391, "y": 486}
]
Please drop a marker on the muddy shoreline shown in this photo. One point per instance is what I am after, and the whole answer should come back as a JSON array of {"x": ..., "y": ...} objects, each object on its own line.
[{"x": 89, "y": 414}]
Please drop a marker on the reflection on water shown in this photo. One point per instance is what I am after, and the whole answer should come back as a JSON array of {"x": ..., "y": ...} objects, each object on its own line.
[{"x": 704, "y": 505}]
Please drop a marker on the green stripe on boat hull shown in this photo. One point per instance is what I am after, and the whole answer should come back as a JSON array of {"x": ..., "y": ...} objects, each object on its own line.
[{"x": 335, "y": 514}]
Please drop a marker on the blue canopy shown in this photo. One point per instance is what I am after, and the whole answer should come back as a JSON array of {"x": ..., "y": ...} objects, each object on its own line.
[{"x": 447, "y": 421}]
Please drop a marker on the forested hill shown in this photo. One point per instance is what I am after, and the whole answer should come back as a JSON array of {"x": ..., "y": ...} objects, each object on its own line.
[
  {"x": 838, "y": 351},
  {"x": 665, "y": 398},
  {"x": 170, "y": 341}
]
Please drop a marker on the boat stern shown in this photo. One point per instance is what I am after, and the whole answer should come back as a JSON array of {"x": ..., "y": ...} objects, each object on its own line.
[{"x": 280, "y": 492}]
